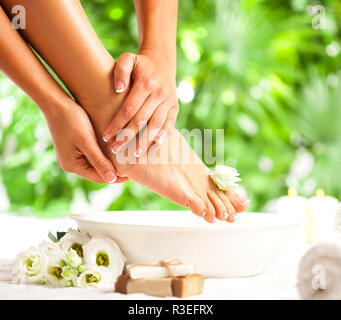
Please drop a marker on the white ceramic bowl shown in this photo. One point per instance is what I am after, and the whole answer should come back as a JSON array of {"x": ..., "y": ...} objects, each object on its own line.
[{"x": 243, "y": 248}]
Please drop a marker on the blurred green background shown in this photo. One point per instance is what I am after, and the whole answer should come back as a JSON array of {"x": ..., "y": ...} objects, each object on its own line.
[{"x": 268, "y": 72}]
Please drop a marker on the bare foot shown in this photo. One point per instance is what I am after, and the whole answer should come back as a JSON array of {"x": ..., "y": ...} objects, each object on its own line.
[
  {"x": 72, "y": 49},
  {"x": 183, "y": 182}
]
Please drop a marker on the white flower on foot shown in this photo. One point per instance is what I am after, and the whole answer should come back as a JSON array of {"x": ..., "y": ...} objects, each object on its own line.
[
  {"x": 74, "y": 240},
  {"x": 103, "y": 251},
  {"x": 30, "y": 266},
  {"x": 225, "y": 178},
  {"x": 94, "y": 277}
]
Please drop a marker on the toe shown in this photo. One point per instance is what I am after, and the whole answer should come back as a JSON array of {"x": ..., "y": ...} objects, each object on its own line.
[
  {"x": 196, "y": 205},
  {"x": 210, "y": 212},
  {"x": 219, "y": 206},
  {"x": 228, "y": 205},
  {"x": 239, "y": 203}
]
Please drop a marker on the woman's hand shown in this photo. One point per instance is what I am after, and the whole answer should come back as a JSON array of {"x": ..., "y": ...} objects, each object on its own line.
[
  {"x": 152, "y": 100},
  {"x": 76, "y": 145}
]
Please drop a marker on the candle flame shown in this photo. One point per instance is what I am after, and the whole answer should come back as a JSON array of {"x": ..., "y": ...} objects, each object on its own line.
[
  {"x": 320, "y": 193},
  {"x": 292, "y": 192}
]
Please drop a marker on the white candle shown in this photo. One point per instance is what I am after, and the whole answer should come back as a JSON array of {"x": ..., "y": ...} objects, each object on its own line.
[
  {"x": 321, "y": 213},
  {"x": 294, "y": 207}
]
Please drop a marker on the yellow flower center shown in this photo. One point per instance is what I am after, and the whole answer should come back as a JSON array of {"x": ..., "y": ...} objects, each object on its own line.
[{"x": 102, "y": 259}]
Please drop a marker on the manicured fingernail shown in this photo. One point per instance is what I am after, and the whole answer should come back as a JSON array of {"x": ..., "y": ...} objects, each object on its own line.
[
  {"x": 159, "y": 139},
  {"x": 203, "y": 214},
  {"x": 106, "y": 138},
  {"x": 114, "y": 149},
  {"x": 138, "y": 153},
  {"x": 225, "y": 216},
  {"x": 246, "y": 203},
  {"x": 119, "y": 87},
  {"x": 213, "y": 220},
  {"x": 111, "y": 177}
]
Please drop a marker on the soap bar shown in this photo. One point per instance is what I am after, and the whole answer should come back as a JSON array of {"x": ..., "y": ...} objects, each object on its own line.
[
  {"x": 184, "y": 286},
  {"x": 164, "y": 269}
]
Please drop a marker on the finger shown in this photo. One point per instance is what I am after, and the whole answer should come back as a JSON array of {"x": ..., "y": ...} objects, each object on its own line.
[
  {"x": 83, "y": 169},
  {"x": 130, "y": 107},
  {"x": 138, "y": 123},
  {"x": 123, "y": 70},
  {"x": 168, "y": 125},
  {"x": 91, "y": 174},
  {"x": 100, "y": 163},
  {"x": 155, "y": 124}
]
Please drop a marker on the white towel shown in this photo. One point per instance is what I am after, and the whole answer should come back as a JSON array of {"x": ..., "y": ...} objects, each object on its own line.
[
  {"x": 338, "y": 218},
  {"x": 319, "y": 272}
]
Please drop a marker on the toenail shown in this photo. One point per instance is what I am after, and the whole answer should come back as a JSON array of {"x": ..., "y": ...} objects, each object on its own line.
[
  {"x": 211, "y": 219},
  {"x": 233, "y": 217}
]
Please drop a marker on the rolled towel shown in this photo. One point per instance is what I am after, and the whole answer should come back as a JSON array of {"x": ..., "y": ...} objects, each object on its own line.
[
  {"x": 338, "y": 218},
  {"x": 319, "y": 272}
]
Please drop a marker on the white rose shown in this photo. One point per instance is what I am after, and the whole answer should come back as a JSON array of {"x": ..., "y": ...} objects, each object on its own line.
[
  {"x": 103, "y": 251},
  {"x": 94, "y": 277},
  {"x": 225, "y": 177},
  {"x": 74, "y": 240},
  {"x": 30, "y": 266}
]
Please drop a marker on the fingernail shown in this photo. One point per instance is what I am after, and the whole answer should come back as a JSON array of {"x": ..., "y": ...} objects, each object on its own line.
[
  {"x": 225, "y": 216},
  {"x": 114, "y": 149},
  {"x": 138, "y": 153},
  {"x": 106, "y": 138},
  {"x": 203, "y": 214},
  {"x": 111, "y": 177},
  {"x": 159, "y": 139},
  {"x": 246, "y": 203},
  {"x": 119, "y": 87}
]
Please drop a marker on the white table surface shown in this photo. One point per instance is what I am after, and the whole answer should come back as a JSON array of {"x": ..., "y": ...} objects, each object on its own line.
[{"x": 19, "y": 233}]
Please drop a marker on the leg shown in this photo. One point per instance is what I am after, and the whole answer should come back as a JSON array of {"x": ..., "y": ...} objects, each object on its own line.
[{"x": 60, "y": 32}]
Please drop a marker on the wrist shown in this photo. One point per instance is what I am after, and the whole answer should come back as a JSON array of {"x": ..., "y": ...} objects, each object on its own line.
[
  {"x": 162, "y": 56},
  {"x": 54, "y": 107}
]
